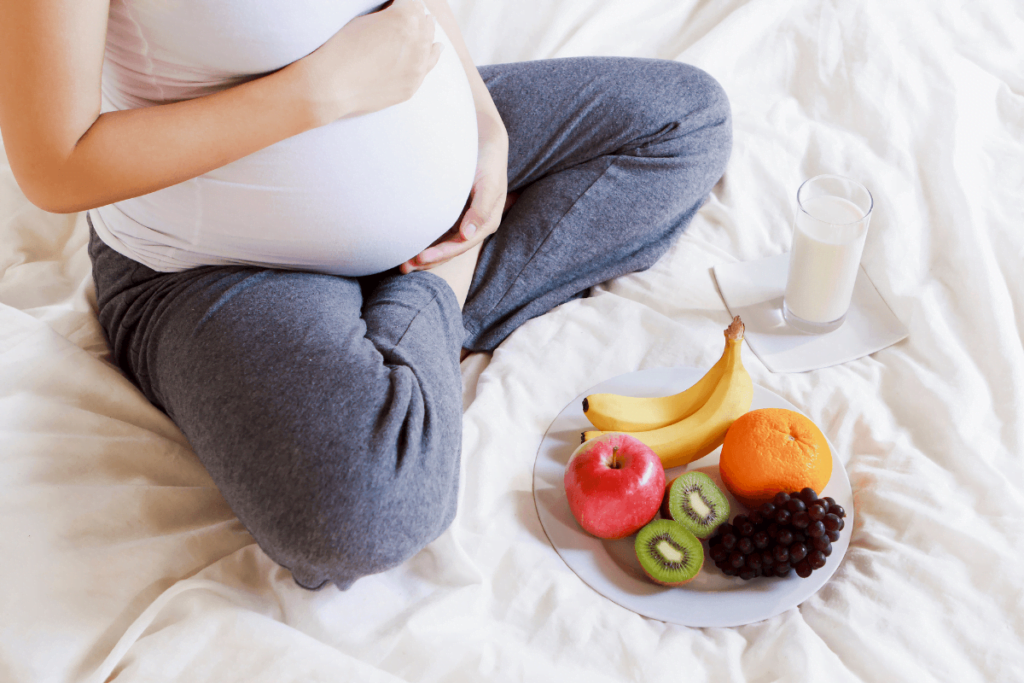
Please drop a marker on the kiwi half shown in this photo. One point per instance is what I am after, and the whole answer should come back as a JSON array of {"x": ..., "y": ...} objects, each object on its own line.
[
  {"x": 669, "y": 554},
  {"x": 693, "y": 500}
]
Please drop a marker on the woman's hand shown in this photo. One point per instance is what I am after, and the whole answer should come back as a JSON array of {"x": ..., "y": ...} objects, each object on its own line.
[
  {"x": 488, "y": 198},
  {"x": 373, "y": 62}
]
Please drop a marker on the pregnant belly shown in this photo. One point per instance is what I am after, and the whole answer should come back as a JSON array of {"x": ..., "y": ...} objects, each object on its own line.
[{"x": 354, "y": 197}]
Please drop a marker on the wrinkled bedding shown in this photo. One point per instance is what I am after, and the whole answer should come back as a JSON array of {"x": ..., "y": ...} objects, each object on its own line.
[{"x": 120, "y": 561}]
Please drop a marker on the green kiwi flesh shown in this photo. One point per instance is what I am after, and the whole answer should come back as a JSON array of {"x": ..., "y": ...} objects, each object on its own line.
[
  {"x": 669, "y": 554},
  {"x": 694, "y": 501}
]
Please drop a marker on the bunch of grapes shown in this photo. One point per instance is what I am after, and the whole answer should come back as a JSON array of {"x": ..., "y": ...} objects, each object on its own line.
[{"x": 793, "y": 532}]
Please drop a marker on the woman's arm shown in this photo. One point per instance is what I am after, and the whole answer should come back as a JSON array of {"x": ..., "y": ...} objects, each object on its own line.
[
  {"x": 68, "y": 157},
  {"x": 481, "y": 96},
  {"x": 489, "y": 196}
]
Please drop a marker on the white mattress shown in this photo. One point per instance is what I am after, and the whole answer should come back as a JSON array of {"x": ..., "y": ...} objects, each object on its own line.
[{"x": 120, "y": 561}]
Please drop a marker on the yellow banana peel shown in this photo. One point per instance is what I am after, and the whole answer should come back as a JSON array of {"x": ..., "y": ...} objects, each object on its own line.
[
  {"x": 702, "y": 430},
  {"x": 617, "y": 413}
]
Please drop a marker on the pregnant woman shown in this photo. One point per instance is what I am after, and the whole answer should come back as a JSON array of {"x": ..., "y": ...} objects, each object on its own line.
[{"x": 303, "y": 211}]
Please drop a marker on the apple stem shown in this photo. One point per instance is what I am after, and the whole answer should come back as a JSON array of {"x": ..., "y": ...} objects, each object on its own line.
[{"x": 615, "y": 464}]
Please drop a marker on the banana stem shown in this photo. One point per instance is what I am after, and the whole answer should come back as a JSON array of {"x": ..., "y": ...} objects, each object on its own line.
[{"x": 735, "y": 329}]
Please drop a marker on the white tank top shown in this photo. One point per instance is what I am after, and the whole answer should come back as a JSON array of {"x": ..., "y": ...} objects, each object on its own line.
[{"x": 354, "y": 197}]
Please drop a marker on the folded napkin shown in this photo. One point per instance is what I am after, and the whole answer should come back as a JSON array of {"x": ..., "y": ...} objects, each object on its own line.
[{"x": 754, "y": 290}]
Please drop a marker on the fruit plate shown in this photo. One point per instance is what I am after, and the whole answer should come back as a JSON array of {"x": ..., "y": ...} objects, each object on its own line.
[{"x": 611, "y": 567}]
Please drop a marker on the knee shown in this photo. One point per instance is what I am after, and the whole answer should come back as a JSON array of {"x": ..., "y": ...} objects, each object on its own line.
[
  {"x": 685, "y": 116},
  {"x": 707, "y": 115},
  {"x": 364, "y": 519},
  {"x": 710, "y": 98},
  {"x": 695, "y": 135}
]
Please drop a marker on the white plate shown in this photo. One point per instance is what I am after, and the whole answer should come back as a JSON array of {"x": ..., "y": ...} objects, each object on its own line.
[{"x": 611, "y": 567}]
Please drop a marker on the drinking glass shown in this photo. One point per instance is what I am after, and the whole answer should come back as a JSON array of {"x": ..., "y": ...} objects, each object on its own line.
[{"x": 832, "y": 216}]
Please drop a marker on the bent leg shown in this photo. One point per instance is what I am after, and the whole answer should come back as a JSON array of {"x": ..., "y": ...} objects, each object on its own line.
[
  {"x": 612, "y": 158},
  {"x": 330, "y": 423}
]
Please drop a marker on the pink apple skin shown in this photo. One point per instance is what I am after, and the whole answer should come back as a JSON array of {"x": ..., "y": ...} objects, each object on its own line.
[{"x": 614, "y": 484}]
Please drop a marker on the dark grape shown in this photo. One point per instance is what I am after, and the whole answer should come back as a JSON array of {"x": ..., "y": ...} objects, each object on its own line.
[
  {"x": 747, "y": 574},
  {"x": 803, "y": 570},
  {"x": 829, "y": 503},
  {"x": 797, "y": 552},
  {"x": 760, "y": 540},
  {"x": 783, "y": 516},
  {"x": 768, "y": 570},
  {"x": 754, "y": 561},
  {"x": 816, "y": 559},
  {"x": 838, "y": 511},
  {"x": 729, "y": 541},
  {"x": 831, "y": 522},
  {"x": 772, "y": 530},
  {"x": 796, "y": 505},
  {"x": 729, "y": 570},
  {"x": 815, "y": 529},
  {"x": 745, "y": 527},
  {"x": 832, "y": 535},
  {"x": 781, "y": 498},
  {"x": 799, "y": 537},
  {"x": 745, "y": 546},
  {"x": 726, "y": 528},
  {"x": 719, "y": 552},
  {"x": 736, "y": 559},
  {"x": 767, "y": 557},
  {"x": 737, "y": 520},
  {"x": 801, "y": 520},
  {"x": 816, "y": 511},
  {"x": 767, "y": 510},
  {"x": 755, "y": 517},
  {"x": 785, "y": 536},
  {"x": 809, "y": 495},
  {"x": 821, "y": 543},
  {"x": 780, "y": 553},
  {"x": 722, "y": 564},
  {"x": 781, "y": 569}
]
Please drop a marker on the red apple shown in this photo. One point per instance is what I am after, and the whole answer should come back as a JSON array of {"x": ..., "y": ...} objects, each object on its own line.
[{"x": 614, "y": 484}]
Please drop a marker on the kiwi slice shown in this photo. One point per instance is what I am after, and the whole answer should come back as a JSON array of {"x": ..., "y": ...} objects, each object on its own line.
[
  {"x": 668, "y": 553},
  {"x": 694, "y": 501}
]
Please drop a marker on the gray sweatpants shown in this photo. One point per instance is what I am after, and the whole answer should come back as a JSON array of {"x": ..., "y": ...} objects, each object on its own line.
[{"x": 328, "y": 409}]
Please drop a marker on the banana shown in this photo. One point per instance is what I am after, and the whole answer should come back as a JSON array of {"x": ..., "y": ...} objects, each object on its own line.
[
  {"x": 703, "y": 431},
  {"x": 616, "y": 413}
]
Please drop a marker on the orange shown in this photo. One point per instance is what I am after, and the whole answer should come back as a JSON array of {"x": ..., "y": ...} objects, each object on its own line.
[{"x": 771, "y": 450}]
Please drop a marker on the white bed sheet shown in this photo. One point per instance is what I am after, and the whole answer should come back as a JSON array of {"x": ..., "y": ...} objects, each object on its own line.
[{"x": 120, "y": 561}]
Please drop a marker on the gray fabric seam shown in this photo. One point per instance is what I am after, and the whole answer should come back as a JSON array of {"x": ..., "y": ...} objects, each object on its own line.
[
  {"x": 418, "y": 313},
  {"x": 540, "y": 246}
]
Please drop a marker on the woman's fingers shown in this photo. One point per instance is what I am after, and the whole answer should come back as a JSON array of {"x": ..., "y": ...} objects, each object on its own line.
[
  {"x": 475, "y": 226},
  {"x": 488, "y": 200},
  {"x": 440, "y": 253},
  {"x": 490, "y": 189},
  {"x": 484, "y": 213},
  {"x": 454, "y": 244}
]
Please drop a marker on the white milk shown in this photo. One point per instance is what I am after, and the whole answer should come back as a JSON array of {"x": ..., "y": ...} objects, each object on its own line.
[{"x": 825, "y": 257}]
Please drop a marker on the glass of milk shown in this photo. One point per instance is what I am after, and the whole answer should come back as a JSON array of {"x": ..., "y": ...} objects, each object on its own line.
[{"x": 831, "y": 223}]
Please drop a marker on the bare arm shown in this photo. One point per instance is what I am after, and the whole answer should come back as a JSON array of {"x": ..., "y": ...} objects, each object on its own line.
[
  {"x": 68, "y": 157},
  {"x": 481, "y": 96},
  {"x": 489, "y": 196}
]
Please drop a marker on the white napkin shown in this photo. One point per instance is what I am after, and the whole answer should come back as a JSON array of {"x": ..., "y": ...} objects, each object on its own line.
[{"x": 753, "y": 290}]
